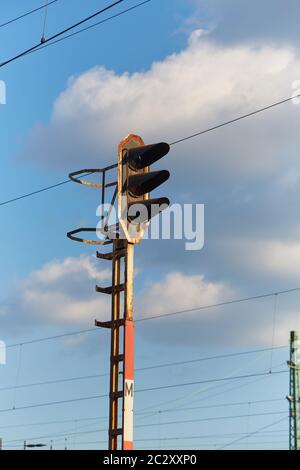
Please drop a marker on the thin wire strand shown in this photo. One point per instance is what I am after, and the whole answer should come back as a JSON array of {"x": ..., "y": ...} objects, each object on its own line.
[
  {"x": 253, "y": 433},
  {"x": 220, "y": 304},
  {"x": 155, "y": 317},
  {"x": 40, "y": 190},
  {"x": 231, "y": 121},
  {"x": 45, "y": 20},
  {"x": 26, "y": 14},
  {"x": 143, "y": 390},
  {"x": 273, "y": 330},
  {"x": 226, "y": 123},
  {"x": 17, "y": 377},
  {"x": 60, "y": 33},
  {"x": 210, "y": 418},
  {"x": 92, "y": 26},
  {"x": 140, "y": 369}
]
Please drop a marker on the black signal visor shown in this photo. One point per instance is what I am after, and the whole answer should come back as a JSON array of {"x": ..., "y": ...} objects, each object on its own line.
[
  {"x": 143, "y": 183},
  {"x": 142, "y": 211},
  {"x": 141, "y": 157}
]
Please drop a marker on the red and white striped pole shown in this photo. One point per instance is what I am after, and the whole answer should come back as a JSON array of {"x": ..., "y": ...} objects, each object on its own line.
[{"x": 128, "y": 376}]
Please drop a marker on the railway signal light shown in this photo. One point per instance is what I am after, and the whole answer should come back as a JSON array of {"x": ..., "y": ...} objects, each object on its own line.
[{"x": 136, "y": 181}]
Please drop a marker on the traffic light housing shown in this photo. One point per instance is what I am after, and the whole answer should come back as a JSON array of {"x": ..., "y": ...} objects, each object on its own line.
[{"x": 135, "y": 182}]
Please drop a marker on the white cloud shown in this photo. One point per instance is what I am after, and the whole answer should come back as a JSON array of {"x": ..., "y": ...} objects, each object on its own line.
[
  {"x": 179, "y": 292},
  {"x": 279, "y": 259},
  {"x": 245, "y": 324},
  {"x": 61, "y": 292},
  {"x": 204, "y": 84},
  {"x": 66, "y": 298},
  {"x": 187, "y": 91}
]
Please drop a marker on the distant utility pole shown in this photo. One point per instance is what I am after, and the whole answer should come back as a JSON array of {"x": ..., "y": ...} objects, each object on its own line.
[
  {"x": 33, "y": 446},
  {"x": 135, "y": 209},
  {"x": 294, "y": 395}
]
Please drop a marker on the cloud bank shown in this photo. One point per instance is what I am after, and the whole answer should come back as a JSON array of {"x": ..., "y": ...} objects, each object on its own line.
[
  {"x": 200, "y": 86},
  {"x": 60, "y": 294},
  {"x": 247, "y": 175}
]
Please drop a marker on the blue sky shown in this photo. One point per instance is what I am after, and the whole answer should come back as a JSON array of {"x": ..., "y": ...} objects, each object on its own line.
[{"x": 166, "y": 70}]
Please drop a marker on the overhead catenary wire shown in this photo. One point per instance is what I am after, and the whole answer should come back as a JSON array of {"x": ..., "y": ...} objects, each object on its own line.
[
  {"x": 147, "y": 389},
  {"x": 30, "y": 12},
  {"x": 33, "y": 193},
  {"x": 212, "y": 418},
  {"x": 44, "y": 22},
  {"x": 60, "y": 33},
  {"x": 202, "y": 307},
  {"x": 116, "y": 15},
  {"x": 149, "y": 440},
  {"x": 167, "y": 423},
  {"x": 232, "y": 121},
  {"x": 139, "y": 369},
  {"x": 192, "y": 136},
  {"x": 138, "y": 413},
  {"x": 252, "y": 433},
  {"x": 197, "y": 392},
  {"x": 220, "y": 304},
  {"x": 154, "y": 317},
  {"x": 173, "y": 438},
  {"x": 273, "y": 328},
  {"x": 76, "y": 445}
]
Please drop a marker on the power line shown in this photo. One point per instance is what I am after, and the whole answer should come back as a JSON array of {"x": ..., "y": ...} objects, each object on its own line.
[
  {"x": 205, "y": 131},
  {"x": 252, "y": 433},
  {"x": 220, "y": 405},
  {"x": 60, "y": 33},
  {"x": 221, "y": 379},
  {"x": 214, "y": 418},
  {"x": 34, "y": 192},
  {"x": 27, "y": 14},
  {"x": 220, "y": 304},
  {"x": 150, "y": 439},
  {"x": 210, "y": 418},
  {"x": 149, "y": 389},
  {"x": 40, "y": 190},
  {"x": 141, "y": 413},
  {"x": 154, "y": 317},
  {"x": 204, "y": 436},
  {"x": 231, "y": 121},
  {"x": 140, "y": 369},
  {"x": 134, "y": 7},
  {"x": 93, "y": 330}
]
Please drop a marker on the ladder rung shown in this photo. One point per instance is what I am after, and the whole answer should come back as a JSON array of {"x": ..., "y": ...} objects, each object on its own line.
[
  {"x": 117, "y": 432},
  {"x": 103, "y": 324},
  {"x": 117, "y": 394},
  {"x": 120, "y": 253},
  {"x": 118, "y": 358},
  {"x": 109, "y": 324},
  {"x": 110, "y": 289},
  {"x": 108, "y": 256},
  {"x": 104, "y": 290}
]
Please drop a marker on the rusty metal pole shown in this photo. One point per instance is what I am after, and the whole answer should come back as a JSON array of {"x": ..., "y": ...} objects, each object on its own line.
[{"x": 128, "y": 350}]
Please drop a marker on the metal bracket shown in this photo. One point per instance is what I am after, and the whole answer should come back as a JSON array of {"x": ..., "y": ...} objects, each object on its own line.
[
  {"x": 90, "y": 171},
  {"x": 110, "y": 289},
  {"x": 109, "y": 324},
  {"x": 85, "y": 240},
  {"x": 109, "y": 256}
]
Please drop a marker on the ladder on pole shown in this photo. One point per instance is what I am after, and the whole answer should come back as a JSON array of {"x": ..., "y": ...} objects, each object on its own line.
[{"x": 120, "y": 433}]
